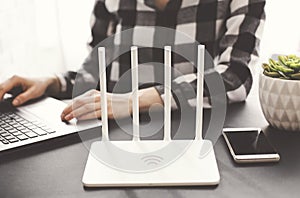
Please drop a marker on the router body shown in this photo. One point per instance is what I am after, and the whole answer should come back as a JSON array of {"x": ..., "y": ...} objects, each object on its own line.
[{"x": 188, "y": 169}]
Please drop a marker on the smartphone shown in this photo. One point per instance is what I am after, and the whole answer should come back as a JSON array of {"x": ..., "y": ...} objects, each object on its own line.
[{"x": 249, "y": 145}]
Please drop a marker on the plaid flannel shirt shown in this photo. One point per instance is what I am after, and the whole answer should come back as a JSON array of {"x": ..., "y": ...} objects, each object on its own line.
[{"x": 230, "y": 29}]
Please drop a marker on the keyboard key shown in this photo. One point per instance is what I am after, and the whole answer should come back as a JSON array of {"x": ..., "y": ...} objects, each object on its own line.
[
  {"x": 13, "y": 130},
  {"x": 4, "y": 126},
  {"x": 5, "y": 141},
  {"x": 5, "y": 117},
  {"x": 35, "y": 122},
  {"x": 31, "y": 135},
  {"x": 8, "y": 128},
  {"x": 23, "y": 122},
  {"x": 17, "y": 133},
  {"x": 33, "y": 127},
  {"x": 41, "y": 125},
  {"x": 20, "y": 128},
  {"x": 13, "y": 115},
  {"x": 25, "y": 131},
  {"x": 17, "y": 125},
  {"x": 49, "y": 130},
  {"x": 13, "y": 140},
  {"x": 18, "y": 119},
  {"x": 2, "y": 131},
  {"x": 11, "y": 122},
  {"x": 28, "y": 124},
  {"x": 5, "y": 134},
  {"x": 40, "y": 131},
  {"x": 9, "y": 137},
  {"x": 22, "y": 137}
]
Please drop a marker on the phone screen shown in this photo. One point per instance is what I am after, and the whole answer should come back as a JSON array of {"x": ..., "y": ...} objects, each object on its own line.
[{"x": 249, "y": 142}]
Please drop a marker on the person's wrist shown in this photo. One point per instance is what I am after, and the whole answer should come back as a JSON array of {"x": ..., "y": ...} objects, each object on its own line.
[
  {"x": 161, "y": 4},
  {"x": 52, "y": 85},
  {"x": 148, "y": 97}
]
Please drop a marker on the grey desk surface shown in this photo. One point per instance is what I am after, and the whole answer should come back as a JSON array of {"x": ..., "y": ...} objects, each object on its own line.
[{"x": 54, "y": 168}]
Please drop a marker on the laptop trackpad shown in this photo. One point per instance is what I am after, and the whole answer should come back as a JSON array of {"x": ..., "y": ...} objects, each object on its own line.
[{"x": 49, "y": 110}]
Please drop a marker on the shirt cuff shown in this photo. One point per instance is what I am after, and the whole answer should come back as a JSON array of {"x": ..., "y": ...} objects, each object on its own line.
[
  {"x": 63, "y": 82},
  {"x": 150, "y": 3}
]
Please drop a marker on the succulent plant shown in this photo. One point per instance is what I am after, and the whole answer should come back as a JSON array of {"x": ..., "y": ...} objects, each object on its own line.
[{"x": 287, "y": 67}]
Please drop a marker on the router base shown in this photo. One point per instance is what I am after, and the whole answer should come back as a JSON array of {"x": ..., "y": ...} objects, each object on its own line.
[{"x": 151, "y": 163}]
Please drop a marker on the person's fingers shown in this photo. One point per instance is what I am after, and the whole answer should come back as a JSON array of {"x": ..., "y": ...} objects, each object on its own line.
[
  {"x": 80, "y": 101},
  {"x": 92, "y": 92},
  {"x": 90, "y": 115},
  {"x": 66, "y": 111},
  {"x": 77, "y": 102},
  {"x": 9, "y": 84},
  {"x": 86, "y": 99},
  {"x": 25, "y": 96},
  {"x": 85, "y": 109},
  {"x": 91, "y": 96}
]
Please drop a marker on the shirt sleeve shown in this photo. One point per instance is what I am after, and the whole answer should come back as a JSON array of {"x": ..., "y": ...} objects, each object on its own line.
[
  {"x": 238, "y": 50},
  {"x": 102, "y": 25}
]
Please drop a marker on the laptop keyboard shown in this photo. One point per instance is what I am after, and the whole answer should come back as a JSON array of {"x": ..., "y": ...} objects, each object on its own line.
[{"x": 14, "y": 128}]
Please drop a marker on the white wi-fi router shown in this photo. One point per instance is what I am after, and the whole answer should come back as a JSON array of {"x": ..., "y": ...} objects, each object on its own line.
[{"x": 164, "y": 162}]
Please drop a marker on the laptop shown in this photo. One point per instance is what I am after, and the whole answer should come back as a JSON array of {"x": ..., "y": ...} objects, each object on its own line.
[{"x": 35, "y": 122}]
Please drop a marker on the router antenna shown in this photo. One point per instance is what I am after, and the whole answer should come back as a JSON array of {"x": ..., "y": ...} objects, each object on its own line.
[
  {"x": 135, "y": 89},
  {"x": 200, "y": 82},
  {"x": 103, "y": 90},
  {"x": 167, "y": 99}
]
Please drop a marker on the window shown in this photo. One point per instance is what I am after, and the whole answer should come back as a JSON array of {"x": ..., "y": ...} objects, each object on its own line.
[{"x": 42, "y": 37}]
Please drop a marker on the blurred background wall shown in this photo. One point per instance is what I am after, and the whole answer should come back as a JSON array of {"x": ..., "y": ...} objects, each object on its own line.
[
  {"x": 282, "y": 29},
  {"x": 38, "y": 37}
]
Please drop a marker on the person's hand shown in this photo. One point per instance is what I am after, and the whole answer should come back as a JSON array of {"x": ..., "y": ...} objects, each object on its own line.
[
  {"x": 32, "y": 88},
  {"x": 88, "y": 106}
]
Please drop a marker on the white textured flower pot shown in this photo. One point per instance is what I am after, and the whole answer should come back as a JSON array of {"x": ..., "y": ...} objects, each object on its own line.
[{"x": 280, "y": 102}]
